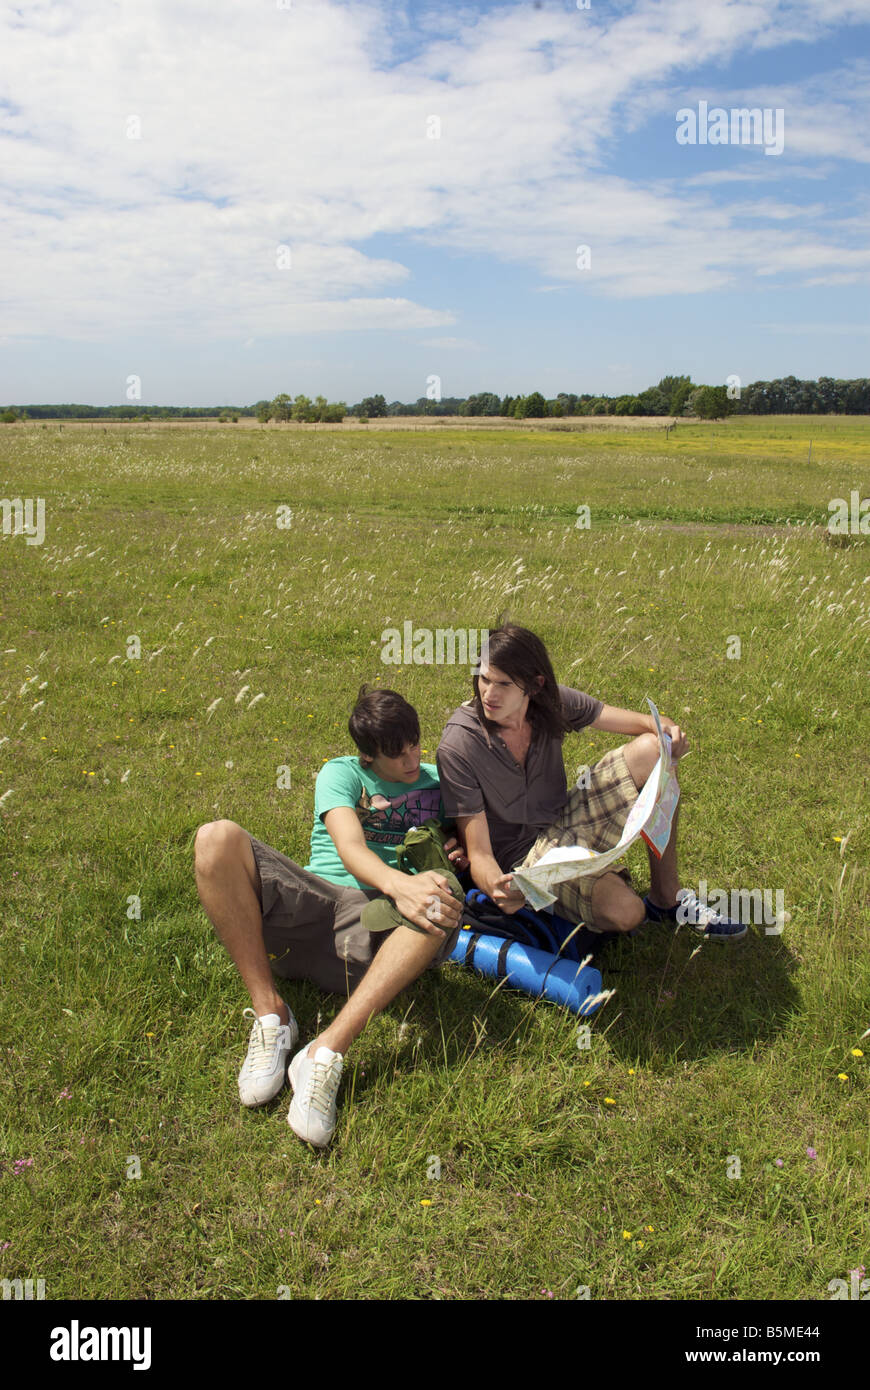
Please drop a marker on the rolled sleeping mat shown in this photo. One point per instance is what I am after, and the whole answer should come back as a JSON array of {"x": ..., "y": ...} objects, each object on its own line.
[{"x": 536, "y": 972}]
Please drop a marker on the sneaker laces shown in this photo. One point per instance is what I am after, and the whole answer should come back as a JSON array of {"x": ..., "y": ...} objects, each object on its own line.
[
  {"x": 698, "y": 912},
  {"x": 322, "y": 1085},
  {"x": 261, "y": 1048}
]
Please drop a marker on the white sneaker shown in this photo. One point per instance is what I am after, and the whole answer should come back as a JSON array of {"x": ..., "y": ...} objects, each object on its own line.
[
  {"x": 262, "y": 1075},
  {"x": 315, "y": 1081}
]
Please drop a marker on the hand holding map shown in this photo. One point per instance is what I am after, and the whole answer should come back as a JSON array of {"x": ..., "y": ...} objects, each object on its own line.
[{"x": 651, "y": 816}]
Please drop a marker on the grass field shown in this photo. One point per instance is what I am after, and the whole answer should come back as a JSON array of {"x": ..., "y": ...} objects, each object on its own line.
[{"x": 605, "y": 1169}]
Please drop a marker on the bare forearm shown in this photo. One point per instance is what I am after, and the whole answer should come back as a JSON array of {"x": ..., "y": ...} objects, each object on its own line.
[
  {"x": 368, "y": 868},
  {"x": 485, "y": 871},
  {"x": 624, "y": 721}
]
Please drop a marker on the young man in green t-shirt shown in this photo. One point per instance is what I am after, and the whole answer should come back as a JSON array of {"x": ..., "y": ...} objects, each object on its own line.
[{"x": 271, "y": 914}]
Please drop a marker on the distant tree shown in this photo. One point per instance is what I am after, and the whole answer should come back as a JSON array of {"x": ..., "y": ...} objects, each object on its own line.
[
  {"x": 9, "y": 417},
  {"x": 680, "y": 398},
  {"x": 302, "y": 409},
  {"x": 654, "y": 401},
  {"x": 532, "y": 407},
  {"x": 710, "y": 402},
  {"x": 282, "y": 407},
  {"x": 483, "y": 403},
  {"x": 670, "y": 386},
  {"x": 374, "y": 407}
]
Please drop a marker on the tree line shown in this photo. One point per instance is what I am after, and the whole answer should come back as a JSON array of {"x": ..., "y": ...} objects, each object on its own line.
[{"x": 675, "y": 396}]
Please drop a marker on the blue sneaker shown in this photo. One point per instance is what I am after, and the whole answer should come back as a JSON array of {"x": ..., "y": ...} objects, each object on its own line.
[{"x": 699, "y": 916}]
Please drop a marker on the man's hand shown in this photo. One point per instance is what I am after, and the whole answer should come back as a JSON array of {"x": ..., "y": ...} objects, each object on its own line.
[
  {"x": 506, "y": 898},
  {"x": 455, "y": 853},
  {"x": 679, "y": 741},
  {"x": 426, "y": 900}
]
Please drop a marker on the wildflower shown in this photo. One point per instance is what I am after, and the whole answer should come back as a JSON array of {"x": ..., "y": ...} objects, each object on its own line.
[
  {"x": 841, "y": 1076},
  {"x": 547, "y": 1292},
  {"x": 639, "y": 1243},
  {"x": 609, "y": 1101},
  {"x": 631, "y": 1071},
  {"x": 856, "y": 1052},
  {"x": 65, "y": 1094},
  {"x": 425, "y": 1202},
  {"x": 626, "y": 1235},
  {"x": 811, "y": 1153},
  {"x": 649, "y": 1228},
  {"x": 778, "y": 1162}
]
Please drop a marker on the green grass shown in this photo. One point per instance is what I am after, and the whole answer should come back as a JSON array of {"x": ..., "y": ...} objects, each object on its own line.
[{"x": 726, "y": 1051}]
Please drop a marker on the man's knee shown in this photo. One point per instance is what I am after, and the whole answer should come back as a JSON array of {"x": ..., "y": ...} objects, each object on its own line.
[
  {"x": 615, "y": 907},
  {"x": 641, "y": 755},
  {"x": 216, "y": 839}
]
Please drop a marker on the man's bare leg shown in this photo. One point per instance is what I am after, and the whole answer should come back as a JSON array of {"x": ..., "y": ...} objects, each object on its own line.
[
  {"x": 400, "y": 959},
  {"x": 226, "y": 879}
]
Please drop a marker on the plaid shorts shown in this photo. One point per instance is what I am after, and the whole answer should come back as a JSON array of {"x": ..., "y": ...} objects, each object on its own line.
[{"x": 593, "y": 816}]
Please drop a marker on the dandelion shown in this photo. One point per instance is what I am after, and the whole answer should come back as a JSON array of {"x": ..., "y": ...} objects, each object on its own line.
[
  {"x": 841, "y": 1076},
  {"x": 856, "y": 1052},
  {"x": 627, "y": 1235},
  {"x": 649, "y": 1228},
  {"x": 631, "y": 1071},
  {"x": 609, "y": 1101},
  {"x": 425, "y": 1202}
]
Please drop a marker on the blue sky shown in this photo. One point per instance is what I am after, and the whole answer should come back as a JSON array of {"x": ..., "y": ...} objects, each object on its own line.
[{"x": 154, "y": 157}]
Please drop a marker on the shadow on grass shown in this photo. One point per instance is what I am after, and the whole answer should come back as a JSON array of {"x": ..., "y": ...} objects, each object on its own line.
[{"x": 676, "y": 996}]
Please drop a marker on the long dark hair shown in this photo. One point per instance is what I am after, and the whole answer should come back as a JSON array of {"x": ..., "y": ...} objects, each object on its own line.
[{"x": 522, "y": 656}]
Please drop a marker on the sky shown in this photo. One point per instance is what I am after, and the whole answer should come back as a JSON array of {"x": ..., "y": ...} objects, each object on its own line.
[{"x": 212, "y": 201}]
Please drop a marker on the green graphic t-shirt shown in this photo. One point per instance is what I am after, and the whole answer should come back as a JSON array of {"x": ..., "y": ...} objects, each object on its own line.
[{"x": 387, "y": 811}]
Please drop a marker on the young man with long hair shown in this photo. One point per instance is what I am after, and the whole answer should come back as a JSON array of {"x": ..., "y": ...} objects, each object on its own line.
[{"x": 503, "y": 782}]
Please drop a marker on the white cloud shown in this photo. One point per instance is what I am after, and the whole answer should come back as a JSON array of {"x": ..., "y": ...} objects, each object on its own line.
[{"x": 263, "y": 127}]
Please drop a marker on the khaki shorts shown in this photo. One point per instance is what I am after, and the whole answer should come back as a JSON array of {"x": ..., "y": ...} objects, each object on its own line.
[
  {"x": 593, "y": 816},
  {"x": 311, "y": 927}
]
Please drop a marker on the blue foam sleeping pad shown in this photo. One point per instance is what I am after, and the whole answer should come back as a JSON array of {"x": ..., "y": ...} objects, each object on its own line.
[{"x": 541, "y": 973}]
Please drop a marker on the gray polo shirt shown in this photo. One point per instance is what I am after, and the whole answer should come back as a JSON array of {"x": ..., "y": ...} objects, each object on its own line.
[{"x": 478, "y": 773}]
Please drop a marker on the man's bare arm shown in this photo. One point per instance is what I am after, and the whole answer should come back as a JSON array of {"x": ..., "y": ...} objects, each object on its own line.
[
  {"x": 631, "y": 721},
  {"x": 623, "y": 721},
  {"x": 412, "y": 893},
  {"x": 483, "y": 865}
]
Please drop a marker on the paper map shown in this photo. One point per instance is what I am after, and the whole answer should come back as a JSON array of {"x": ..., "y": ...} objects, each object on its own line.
[{"x": 651, "y": 816}]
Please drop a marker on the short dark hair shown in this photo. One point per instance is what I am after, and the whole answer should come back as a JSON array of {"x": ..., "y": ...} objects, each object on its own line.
[
  {"x": 522, "y": 655},
  {"x": 382, "y": 722}
]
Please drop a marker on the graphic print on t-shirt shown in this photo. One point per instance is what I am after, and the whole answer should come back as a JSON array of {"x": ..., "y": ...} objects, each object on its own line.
[{"x": 386, "y": 820}]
